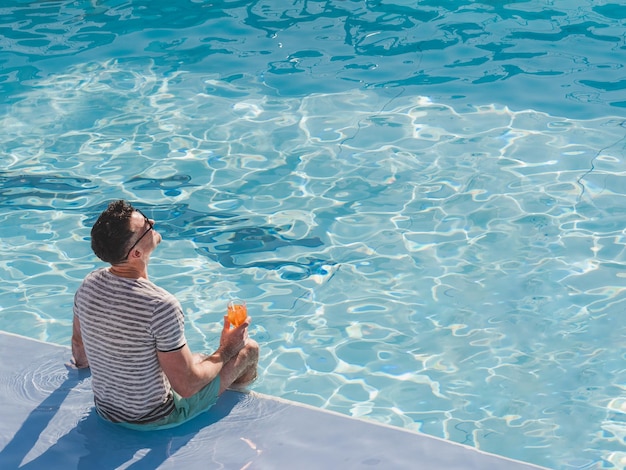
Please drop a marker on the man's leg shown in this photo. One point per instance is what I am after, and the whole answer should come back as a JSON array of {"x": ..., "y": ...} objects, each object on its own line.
[{"x": 241, "y": 370}]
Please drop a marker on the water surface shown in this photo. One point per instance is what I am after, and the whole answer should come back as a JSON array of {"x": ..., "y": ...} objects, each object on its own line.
[{"x": 421, "y": 204}]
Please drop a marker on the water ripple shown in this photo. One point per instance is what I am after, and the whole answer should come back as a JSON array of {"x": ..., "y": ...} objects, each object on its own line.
[{"x": 40, "y": 381}]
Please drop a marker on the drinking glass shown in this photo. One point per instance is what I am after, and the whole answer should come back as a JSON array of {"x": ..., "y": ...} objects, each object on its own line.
[{"x": 237, "y": 312}]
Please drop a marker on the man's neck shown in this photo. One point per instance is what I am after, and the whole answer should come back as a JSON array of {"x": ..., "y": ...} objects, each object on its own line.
[{"x": 135, "y": 270}]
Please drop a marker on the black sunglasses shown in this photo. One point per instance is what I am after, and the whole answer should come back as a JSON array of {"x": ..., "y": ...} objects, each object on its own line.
[{"x": 144, "y": 233}]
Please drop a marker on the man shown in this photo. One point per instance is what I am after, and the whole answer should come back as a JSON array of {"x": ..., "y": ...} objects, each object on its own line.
[{"x": 130, "y": 332}]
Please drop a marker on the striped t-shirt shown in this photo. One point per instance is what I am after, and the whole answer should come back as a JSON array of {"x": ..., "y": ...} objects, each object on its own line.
[{"x": 123, "y": 323}]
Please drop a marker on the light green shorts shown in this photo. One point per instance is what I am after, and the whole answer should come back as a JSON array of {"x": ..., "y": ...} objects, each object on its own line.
[{"x": 184, "y": 409}]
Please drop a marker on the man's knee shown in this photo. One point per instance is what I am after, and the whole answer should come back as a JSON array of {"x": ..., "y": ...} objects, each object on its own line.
[{"x": 250, "y": 352}]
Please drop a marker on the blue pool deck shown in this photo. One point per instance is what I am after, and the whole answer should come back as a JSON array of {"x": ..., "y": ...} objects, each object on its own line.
[{"x": 47, "y": 422}]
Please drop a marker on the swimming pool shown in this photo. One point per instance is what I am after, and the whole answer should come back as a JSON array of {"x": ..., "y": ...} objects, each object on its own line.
[{"x": 422, "y": 205}]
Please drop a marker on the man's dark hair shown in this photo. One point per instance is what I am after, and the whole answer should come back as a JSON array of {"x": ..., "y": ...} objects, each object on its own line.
[{"x": 111, "y": 234}]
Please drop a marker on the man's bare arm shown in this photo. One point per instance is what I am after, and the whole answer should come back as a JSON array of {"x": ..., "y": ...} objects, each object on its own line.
[
  {"x": 79, "y": 358},
  {"x": 189, "y": 373}
]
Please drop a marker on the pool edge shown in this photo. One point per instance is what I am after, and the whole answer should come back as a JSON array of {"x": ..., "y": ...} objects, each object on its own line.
[{"x": 250, "y": 430}]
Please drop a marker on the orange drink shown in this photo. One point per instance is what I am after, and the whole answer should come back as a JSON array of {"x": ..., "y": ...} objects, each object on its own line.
[{"x": 237, "y": 312}]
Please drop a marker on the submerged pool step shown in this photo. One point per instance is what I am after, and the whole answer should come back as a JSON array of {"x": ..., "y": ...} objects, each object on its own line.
[{"x": 48, "y": 422}]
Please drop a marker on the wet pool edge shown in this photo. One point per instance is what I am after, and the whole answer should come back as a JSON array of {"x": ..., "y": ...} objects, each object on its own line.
[{"x": 48, "y": 422}]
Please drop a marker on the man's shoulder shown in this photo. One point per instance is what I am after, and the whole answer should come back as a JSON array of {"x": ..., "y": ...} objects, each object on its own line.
[
  {"x": 94, "y": 276},
  {"x": 158, "y": 293},
  {"x": 149, "y": 286}
]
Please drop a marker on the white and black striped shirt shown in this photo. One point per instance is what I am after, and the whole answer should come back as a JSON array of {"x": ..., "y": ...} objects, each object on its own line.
[{"x": 123, "y": 323}]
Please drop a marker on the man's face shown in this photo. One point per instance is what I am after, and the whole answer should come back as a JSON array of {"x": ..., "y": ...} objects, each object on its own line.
[{"x": 149, "y": 238}]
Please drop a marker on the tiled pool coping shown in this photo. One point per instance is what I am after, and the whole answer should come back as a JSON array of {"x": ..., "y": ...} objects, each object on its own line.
[{"x": 47, "y": 422}]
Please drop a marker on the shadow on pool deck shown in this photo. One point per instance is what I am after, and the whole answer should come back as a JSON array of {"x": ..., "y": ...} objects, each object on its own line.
[{"x": 48, "y": 422}]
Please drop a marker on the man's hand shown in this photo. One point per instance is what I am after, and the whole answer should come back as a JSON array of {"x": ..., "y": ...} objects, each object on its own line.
[
  {"x": 73, "y": 364},
  {"x": 233, "y": 340}
]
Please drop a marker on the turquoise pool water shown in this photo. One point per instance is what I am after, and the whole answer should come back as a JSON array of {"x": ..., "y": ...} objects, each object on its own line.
[{"x": 423, "y": 204}]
